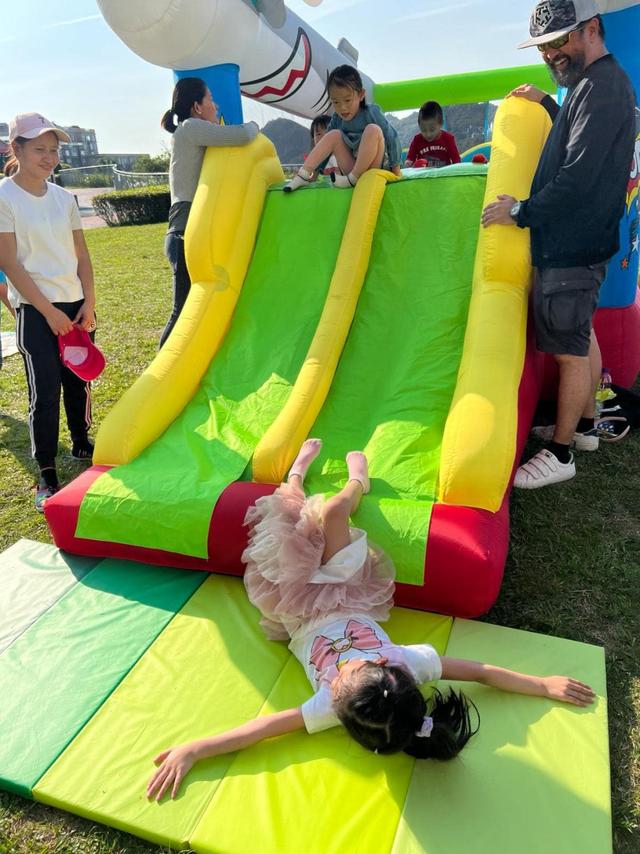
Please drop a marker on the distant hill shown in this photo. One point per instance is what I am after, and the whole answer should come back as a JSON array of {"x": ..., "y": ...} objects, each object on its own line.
[
  {"x": 290, "y": 139},
  {"x": 465, "y": 121}
]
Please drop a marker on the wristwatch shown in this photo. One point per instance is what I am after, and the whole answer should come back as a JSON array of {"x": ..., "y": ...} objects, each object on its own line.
[{"x": 515, "y": 210}]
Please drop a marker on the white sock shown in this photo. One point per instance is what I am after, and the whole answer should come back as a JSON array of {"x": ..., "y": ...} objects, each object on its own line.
[
  {"x": 300, "y": 180},
  {"x": 343, "y": 181}
]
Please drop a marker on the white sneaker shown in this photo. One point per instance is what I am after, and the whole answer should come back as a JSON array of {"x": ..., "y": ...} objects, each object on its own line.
[
  {"x": 543, "y": 469},
  {"x": 588, "y": 441}
]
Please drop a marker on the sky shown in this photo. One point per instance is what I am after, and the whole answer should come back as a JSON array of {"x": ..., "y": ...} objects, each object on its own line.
[{"x": 62, "y": 60}]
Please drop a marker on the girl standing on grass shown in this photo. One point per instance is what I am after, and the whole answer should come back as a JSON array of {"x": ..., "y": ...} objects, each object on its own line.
[
  {"x": 320, "y": 585},
  {"x": 358, "y": 135},
  {"x": 193, "y": 122},
  {"x": 45, "y": 258}
]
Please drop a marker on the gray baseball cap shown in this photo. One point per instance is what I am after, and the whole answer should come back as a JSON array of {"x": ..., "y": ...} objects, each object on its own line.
[{"x": 554, "y": 18}]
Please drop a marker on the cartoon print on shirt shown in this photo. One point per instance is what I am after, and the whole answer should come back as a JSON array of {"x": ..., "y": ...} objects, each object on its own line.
[{"x": 326, "y": 652}]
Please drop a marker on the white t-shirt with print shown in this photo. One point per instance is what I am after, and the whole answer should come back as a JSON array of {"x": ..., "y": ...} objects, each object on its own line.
[
  {"x": 43, "y": 228},
  {"x": 328, "y": 646}
]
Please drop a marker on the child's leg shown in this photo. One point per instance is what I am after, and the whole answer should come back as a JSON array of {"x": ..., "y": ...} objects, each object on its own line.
[
  {"x": 335, "y": 518},
  {"x": 371, "y": 150},
  {"x": 306, "y": 455},
  {"x": 331, "y": 143},
  {"x": 338, "y": 509},
  {"x": 370, "y": 156}
]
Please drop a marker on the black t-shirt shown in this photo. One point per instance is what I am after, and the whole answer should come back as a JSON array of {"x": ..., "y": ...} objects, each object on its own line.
[{"x": 579, "y": 188}]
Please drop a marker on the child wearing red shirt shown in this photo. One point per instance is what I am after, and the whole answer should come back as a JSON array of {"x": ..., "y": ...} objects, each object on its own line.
[{"x": 433, "y": 144}]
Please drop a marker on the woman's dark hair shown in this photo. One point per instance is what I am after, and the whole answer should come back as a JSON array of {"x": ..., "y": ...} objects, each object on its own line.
[
  {"x": 431, "y": 110},
  {"x": 348, "y": 77},
  {"x": 382, "y": 708},
  {"x": 186, "y": 93},
  {"x": 319, "y": 122},
  {"x": 11, "y": 164}
]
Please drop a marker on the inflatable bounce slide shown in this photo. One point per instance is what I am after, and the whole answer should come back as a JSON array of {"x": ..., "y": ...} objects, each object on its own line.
[{"x": 381, "y": 319}]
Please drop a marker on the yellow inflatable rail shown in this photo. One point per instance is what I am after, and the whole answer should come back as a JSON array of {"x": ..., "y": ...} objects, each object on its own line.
[
  {"x": 279, "y": 445},
  {"x": 219, "y": 241},
  {"x": 479, "y": 442}
]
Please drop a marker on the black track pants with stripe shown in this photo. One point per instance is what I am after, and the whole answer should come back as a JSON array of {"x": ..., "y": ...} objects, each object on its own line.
[{"x": 46, "y": 376}]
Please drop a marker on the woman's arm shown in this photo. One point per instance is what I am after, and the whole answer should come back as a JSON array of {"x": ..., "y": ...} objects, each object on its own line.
[
  {"x": 556, "y": 687},
  {"x": 206, "y": 134},
  {"x": 58, "y": 321},
  {"x": 176, "y": 762},
  {"x": 85, "y": 317}
]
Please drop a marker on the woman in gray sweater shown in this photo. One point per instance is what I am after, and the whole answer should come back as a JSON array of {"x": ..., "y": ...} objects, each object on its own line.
[{"x": 193, "y": 121}]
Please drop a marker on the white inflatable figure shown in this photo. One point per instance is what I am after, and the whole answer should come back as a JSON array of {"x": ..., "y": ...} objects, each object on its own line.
[{"x": 282, "y": 61}]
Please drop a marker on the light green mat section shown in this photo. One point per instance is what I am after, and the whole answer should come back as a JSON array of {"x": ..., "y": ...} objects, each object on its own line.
[
  {"x": 33, "y": 576},
  {"x": 164, "y": 499},
  {"x": 212, "y": 669},
  {"x": 56, "y": 674},
  {"x": 393, "y": 387},
  {"x": 535, "y": 779}
]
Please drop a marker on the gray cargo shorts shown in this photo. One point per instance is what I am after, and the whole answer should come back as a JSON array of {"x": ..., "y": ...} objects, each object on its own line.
[{"x": 564, "y": 300}]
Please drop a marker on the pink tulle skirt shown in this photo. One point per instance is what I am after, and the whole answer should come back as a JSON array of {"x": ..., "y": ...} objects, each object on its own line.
[{"x": 286, "y": 579}]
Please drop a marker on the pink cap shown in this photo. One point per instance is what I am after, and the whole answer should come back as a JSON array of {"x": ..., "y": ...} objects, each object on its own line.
[
  {"x": 80, "y": 354},
  {"x": 31, "y": 125}
]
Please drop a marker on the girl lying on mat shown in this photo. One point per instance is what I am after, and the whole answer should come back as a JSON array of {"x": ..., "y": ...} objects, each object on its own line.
[{"x": 320, "y": 585}]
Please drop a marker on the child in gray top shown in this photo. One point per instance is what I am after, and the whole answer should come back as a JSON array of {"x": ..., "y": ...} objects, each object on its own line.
[
  {"x": 193, "y": 121},
  {"x": 359, "y": 135}
]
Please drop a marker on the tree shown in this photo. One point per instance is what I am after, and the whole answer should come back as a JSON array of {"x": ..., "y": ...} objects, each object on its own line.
[{"x": 146, "y": 163}]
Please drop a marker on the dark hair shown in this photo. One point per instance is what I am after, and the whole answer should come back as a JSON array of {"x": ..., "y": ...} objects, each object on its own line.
[
  {"x": 348, "y": 77},
  {"x": 11, "y": 164},
  {"x": 186, "y": 93},
  {"x": 382, "y": 708},
  {"x": 319, "y": 122},
  {"x": 431, "y": 110}
]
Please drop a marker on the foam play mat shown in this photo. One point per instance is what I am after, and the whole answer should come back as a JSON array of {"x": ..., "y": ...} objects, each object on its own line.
[{"x": 117, "y": 660}]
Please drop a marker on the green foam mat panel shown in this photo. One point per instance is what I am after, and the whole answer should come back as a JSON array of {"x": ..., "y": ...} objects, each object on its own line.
[
  {"x": 535, "y": 779},
  {"x": 58, "y": 673},
  {"x": 33, "y": 576}
]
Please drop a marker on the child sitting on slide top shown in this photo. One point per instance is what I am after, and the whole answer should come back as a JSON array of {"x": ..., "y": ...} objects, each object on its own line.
[
  {"x": 321, "y": 586},
  {"x": 358, "y": 135},
  {"x": 433, "y": 144}
]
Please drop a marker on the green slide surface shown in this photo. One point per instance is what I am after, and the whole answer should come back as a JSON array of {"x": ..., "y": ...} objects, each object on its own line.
[
  {"x": 165, "y": 497},
  {"x": 391, "y": 393}
]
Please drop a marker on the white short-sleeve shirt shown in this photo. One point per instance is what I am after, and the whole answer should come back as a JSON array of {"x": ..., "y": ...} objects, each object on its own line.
[
  {"x": 323, "y": 651},
  {"x": 43, "y": 228}
]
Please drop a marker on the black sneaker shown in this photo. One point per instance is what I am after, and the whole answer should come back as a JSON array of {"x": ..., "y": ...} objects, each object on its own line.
[{"x": 82, "y": 451}]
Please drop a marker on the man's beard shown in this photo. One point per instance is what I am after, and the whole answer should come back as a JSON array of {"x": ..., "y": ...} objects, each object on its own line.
[{"x": 570, "y": 73}]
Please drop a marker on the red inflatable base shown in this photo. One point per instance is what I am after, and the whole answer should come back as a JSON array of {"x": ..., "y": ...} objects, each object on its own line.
[{"x": 466, "y": 547}]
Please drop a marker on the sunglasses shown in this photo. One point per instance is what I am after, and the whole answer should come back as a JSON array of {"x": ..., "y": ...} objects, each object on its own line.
[{"x": 561, "y": 41}]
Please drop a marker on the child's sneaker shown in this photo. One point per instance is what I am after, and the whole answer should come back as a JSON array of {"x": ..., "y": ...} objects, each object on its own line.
[
  {"x": 543, "y": 469},
  {"x": 44, "y": 490},
  {"x": 587, "y": 441},
  {"x": 82, "y": 451}
]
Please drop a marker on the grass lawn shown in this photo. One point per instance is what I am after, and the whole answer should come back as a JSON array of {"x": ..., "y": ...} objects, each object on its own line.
[{"x": 573, "y": 568}]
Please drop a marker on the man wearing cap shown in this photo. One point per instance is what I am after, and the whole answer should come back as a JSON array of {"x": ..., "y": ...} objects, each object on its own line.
[{"x": 573, "y": 213}]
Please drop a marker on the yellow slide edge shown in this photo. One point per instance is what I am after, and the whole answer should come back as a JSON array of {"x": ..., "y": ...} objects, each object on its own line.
[
  {"x": 479, "y": 442},
  {"x": 219, "y": 241},
  {"x": 279, "y": 445}
]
